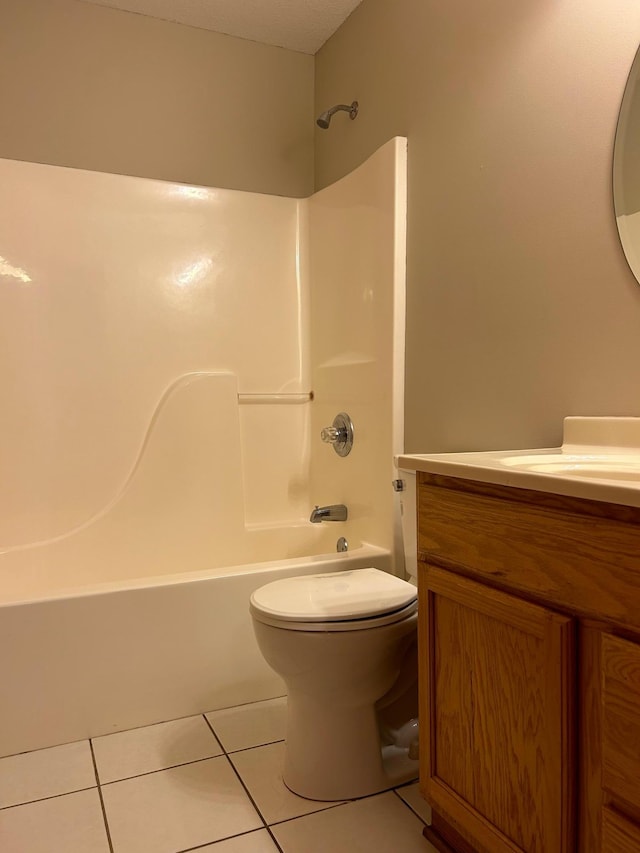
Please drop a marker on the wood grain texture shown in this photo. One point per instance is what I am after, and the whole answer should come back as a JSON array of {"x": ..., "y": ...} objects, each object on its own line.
[
  {"x": 621, "y": 721},
  {"x": 444, "y": 838},
  {"x": 566, "y": 553},
  {"x": 424, "y": 682},
  {"x": 618, "y": 834},
  {"x": 500, "y": 698},
  {"x": 590, "y": 800},
  {"x": 556, "y": 503}
]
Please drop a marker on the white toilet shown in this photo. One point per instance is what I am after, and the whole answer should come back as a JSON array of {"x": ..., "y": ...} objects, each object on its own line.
[{"x": 345, "y": 645}]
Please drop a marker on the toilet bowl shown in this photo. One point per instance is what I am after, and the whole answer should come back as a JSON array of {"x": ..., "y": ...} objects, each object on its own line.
[{"x": 345, "y": 645}]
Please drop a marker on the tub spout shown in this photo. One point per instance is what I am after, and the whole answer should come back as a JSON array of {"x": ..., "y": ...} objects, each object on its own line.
[{"x": 335, "y": 512}]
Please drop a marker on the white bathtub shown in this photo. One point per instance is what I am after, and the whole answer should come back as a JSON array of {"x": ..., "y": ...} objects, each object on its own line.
[
  {"x": 80, "y": 662},
  {"x": 140, "y": 613}
]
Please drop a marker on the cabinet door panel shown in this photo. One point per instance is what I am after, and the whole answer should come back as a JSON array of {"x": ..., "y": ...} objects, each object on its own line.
[
  {"x": 621, "y": 719},
  {"x": 619, "y": 835},
  {"x": 498, "y": 761}
]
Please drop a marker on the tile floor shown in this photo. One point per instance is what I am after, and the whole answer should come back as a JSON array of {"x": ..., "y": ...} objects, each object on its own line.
[{"x": 209, "y": 783}]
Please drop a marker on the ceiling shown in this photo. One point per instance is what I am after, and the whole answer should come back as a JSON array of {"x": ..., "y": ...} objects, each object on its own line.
[{"x": 302, "y": 25}]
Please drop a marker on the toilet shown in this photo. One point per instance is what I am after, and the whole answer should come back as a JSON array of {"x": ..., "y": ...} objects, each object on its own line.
[{"x": 345, "y": 645}]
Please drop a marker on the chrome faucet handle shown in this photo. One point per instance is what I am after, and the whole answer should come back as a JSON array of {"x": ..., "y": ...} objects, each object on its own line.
[
  {"x": 330, "y": 435},
  {"x": 339, "y": 434}
]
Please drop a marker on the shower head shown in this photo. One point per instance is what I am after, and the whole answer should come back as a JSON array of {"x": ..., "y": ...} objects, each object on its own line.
[{"x": 324, "y": 120}]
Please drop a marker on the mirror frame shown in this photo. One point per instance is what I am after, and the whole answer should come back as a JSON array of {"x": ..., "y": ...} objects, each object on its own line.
[{"x": 628, "y": 232}]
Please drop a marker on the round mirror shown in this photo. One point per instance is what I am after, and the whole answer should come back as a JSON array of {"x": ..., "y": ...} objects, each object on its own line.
[{"x": 626, "y": 170}]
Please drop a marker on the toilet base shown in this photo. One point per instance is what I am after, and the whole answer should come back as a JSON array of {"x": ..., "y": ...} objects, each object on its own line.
[
  {"x": 397, "y": 769},
  {"x": 352, "y": 764}
]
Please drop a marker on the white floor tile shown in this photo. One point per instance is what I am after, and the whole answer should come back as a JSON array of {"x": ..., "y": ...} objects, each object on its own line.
[
  {"x": 381, "y": 824},
  {"x": 414, "y": 799},
  {"x": 254, "y": 842},
  {"x": 72, "y": 823},
  {"x": 46, "y": 773},
  {"x": 261, "y": 772},
  {"x": 179, "y": 808},
  {"x": 131, "y": 753},
  {"x": 250, "y": 725}
]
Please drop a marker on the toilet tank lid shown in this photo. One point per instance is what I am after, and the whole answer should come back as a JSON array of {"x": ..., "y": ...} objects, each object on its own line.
[{"x": 336, "y": 596}]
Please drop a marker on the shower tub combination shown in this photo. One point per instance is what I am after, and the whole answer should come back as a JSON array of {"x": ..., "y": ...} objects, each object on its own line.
[
  {"x": 163, "y": 628},
  {"x": 124, "y": 594}
]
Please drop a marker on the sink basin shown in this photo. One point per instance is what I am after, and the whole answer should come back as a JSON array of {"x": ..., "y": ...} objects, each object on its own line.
[
  {"x": 605, "y": 466},
  {"x": 599, "y": 459}
]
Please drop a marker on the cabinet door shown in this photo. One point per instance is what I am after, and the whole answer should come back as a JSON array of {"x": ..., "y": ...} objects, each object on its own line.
[
  {"x": 498, "y": 758},
  {"x": 619, "y": 835},
  {"x": 621, "y": 722}
]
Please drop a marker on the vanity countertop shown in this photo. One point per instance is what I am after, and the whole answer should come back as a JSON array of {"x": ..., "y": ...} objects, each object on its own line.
[{"x": 599, "y": 460}]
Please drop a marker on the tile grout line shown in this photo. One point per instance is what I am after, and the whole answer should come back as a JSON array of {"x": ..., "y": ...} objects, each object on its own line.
[
  {"x": 411, "y": 809},
  {"x": 245, "y": 704},
  {"x": 51, "y": 797},
  {"x": 164, "y": 722},
  {"x": 108, "y": 734},
  {"x": 275, "y": 840},
  {"x": 171, "y": 766},
  {"x": 161, "y": 770},
  {"x": 143, "y": 726},
  {"x": 240, "y": 779},
  {"x": 104, "y": 811},
  {"x": 335, "y": 805},
  {"x": 222, "y": 840},
  {"x": 268, "y": 826},
  {"x": 324, "y": 808},
  {"x": 256, "y": 746},
  {"x": 158, "y": 723}
]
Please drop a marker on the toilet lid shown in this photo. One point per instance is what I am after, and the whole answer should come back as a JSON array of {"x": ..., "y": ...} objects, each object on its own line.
[{"x": 334, "y": 597}]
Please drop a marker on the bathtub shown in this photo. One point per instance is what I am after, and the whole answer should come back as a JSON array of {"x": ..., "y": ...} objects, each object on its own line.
[
  {"x": 79, "y": 661},
  {"x": 140, "y": 613}
]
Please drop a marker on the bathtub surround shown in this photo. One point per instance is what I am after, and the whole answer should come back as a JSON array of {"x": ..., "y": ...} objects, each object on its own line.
[
  {"x": 133, "y": 284},
  {"x": 357, "y": 336},
  {"x": 160, "y": 406},
  {"x": 145, "y": 297}
]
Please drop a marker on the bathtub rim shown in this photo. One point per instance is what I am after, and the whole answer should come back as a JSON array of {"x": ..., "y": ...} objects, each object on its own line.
[{"x": 151, "y": 581}]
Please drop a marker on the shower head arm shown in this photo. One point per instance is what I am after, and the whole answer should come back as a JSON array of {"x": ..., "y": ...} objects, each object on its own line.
[
  {"x": 324, "y": 119},
  {"x": 349, "y": 108}
]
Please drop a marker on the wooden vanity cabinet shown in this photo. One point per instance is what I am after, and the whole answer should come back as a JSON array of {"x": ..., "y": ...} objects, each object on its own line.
[
  {"x": 499, "y": 675},
  {"x": 529, "y": 670}
]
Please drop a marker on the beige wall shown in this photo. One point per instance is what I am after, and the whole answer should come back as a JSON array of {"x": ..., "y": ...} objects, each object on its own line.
[
  {"x": 521, "y": 308},
  {"x": 98, "y": 88}
]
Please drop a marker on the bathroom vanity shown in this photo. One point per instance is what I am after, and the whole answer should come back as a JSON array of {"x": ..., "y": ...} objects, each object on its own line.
[{"x": 529, "y": 587}]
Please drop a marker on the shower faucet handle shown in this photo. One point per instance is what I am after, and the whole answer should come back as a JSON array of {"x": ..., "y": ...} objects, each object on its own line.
[
  {"x": 339, "y": 434},
  {"x": 331, "y": 434}
]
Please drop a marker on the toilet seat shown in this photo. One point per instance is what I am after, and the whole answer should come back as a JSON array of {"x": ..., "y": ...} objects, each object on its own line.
[
  {"x": 341, "y": 625},
  {"x": 337, "y": 601}
]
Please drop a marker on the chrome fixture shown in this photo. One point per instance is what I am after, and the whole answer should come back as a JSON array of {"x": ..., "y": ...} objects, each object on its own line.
[
  {"x": 324, "y": 120},
  {"x": 398, "y": 485},
  {"x": 342, "y": 545},
  {"x": 340, "y": 434},
  {"x": 335, "y": 512}
]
